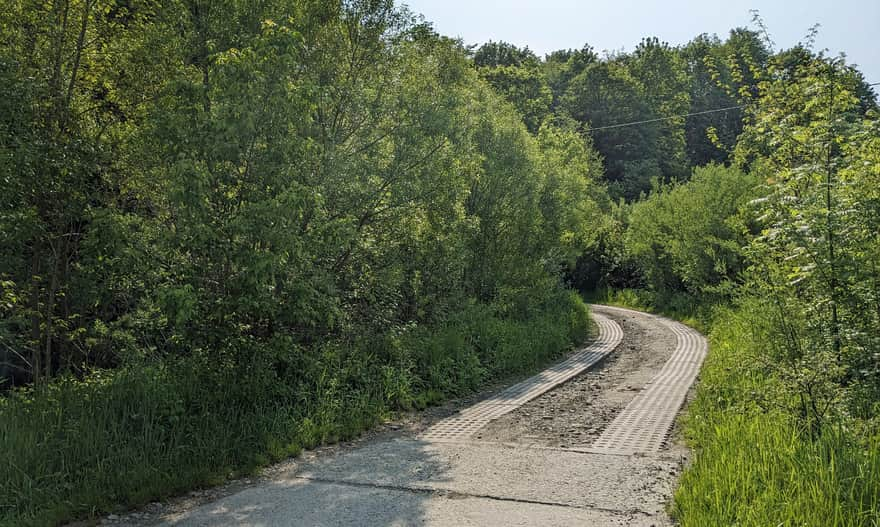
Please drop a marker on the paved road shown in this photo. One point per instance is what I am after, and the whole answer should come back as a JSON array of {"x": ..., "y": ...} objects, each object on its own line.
[{"x": 543, "y": 471}]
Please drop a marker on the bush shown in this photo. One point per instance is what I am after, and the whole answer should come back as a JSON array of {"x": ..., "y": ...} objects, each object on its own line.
[{"x": 688, "y": 237}]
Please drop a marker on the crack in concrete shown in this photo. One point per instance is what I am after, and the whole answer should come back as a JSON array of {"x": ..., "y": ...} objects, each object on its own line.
[
  {"x": 452, "y": 494},
  {"x": 583, "y": 451}
]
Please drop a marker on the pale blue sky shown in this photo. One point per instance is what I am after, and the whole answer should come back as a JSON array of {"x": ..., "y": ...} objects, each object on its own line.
[{"x": 851, "y": 26}]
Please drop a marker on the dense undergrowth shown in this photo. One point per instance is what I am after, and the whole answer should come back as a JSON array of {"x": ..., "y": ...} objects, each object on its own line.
[
  {"x": 129, "y": 436},
  {"x": 229, "y": 231}
]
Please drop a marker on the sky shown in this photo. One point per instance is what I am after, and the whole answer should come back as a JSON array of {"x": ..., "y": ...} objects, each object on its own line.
[{"x": 850, "y": 26}]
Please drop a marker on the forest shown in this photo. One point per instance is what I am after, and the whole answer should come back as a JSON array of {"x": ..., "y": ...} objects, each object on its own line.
[{"x": 230, "y": 231}]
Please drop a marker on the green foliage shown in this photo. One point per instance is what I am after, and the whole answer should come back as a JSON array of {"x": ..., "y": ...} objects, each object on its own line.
[
  {"x": 495, "y": 54},
  {"x": 332, "y": 212},
  {"x": 526, "y": 88},
  {"x": 318, "y": 207},
  {"x": 71, "y": 99},
  {"x": 689, "y": 237},
  {"x": 754, "y": 465},
  {"x": 516, "y": 75},
  {"x": 561, "y": 66},
  {"x": 648, "y": 85},
  {"x": 785, "y": 421},
  {"x": 662, "y": 73},
  {"x": 296, "y": 171},
  {"x": 129, "y": 436},
  {"x": 816, "y": 255},
  {"x": 656, "y": 86},
  {"x": 573, "y": 202},
  {"x": 606, "y": 94}
]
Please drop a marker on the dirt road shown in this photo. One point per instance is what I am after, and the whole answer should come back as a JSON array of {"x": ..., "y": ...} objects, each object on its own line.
[{"x": 592, "y": 449}]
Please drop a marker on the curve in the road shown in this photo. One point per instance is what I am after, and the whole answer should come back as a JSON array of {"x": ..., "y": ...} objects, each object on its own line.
[
  {"x": 447, "y": 479},
  {"x": 464, "y": 424},
  {"x": 644, "y": 424}
]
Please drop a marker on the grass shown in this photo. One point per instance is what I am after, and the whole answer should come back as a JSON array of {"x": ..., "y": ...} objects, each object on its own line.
[
  {"x": 77, "y": 449},
  {"x": 754, "y": 466},
  {"x": 679, "y": 307}
]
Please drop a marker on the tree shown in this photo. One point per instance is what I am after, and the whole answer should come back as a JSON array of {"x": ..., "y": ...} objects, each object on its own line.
[
  {"x": 606, "y": 94},
  {"x": 710, "y": 137},
  {"x": 516, "y": 75},
  {"x": 689, "y": 236},
  {"x": 808, "y": 138},
  {"x": 560, "y": 67},
  {"x": 495, "y": 54},
  {"x": 79, "y": 73},
  {"x": 661, "y": 72}
]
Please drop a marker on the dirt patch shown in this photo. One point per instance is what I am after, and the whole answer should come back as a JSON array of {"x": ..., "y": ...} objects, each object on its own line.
[{"x": 576, "y": 412}]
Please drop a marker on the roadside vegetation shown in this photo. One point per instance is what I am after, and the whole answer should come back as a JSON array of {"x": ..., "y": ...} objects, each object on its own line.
[{"x": 229, "y": 232}]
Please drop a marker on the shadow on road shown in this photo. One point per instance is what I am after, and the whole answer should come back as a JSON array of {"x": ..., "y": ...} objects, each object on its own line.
[{"x": 381, "y": 483}]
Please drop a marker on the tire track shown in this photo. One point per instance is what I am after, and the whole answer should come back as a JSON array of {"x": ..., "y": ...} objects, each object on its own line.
[
  {"x": 644, "y": 424},
  {"x": 464, "y": 424}
]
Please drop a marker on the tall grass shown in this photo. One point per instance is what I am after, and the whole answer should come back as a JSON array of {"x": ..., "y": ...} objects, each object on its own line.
[
  {"x": 753, "y": 465},
  {"x": 78, "y": 448},
  {"x": 758, "y": 470}
]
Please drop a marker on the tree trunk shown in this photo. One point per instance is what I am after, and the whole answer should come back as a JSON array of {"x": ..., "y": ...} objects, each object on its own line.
[{"x": 36, "y": 369}]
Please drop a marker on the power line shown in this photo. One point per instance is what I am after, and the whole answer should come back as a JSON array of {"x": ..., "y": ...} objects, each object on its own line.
[
  {"x": 667, "y": 118},
  {"x": 717, "y": 110}
]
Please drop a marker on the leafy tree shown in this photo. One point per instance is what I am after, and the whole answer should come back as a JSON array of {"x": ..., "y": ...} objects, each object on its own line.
[
  {"x": 689, "y": 236},
  {"x": 495, "y": 54},
  {"x": 516, "y": 75},
  {"x": 710, "y": 137},
  {"x": 526, "y": 88},
  {"x": 561, "y": 66},
  {"x": 606, "y": 94},
  {"x": 78, "y": 74},
  {"x": 573, "y": 201},
  {"x": 661, "y": 72},
  {"x": 252, "y": 181},
  {"x": 809, "y": 139},
  {"x": 647, "y": 93}
]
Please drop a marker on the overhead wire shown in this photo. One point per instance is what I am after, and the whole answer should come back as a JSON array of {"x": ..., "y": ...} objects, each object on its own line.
[
  {"x": 716, "y": 110},
  {"x": 704, "y": 112}
]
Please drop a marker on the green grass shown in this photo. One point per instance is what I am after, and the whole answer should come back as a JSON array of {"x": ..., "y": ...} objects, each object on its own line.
[
  {"x": 680, "y": 306},
  {"x": 753, "y": 466},
  {"x": 758, "y": 470},
  {"x": 80, "y": 448}
]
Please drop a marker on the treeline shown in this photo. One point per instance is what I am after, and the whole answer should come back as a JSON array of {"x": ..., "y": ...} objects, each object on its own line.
[
  {"x": 656, "y": 85},
  {"x": 689, "y": 100},
  {"x": 229, "y": 231},
  {"x": 232, "y": 230},
  {"x": 196, "y": 177},
  {"x": 776, "y": 256}
]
